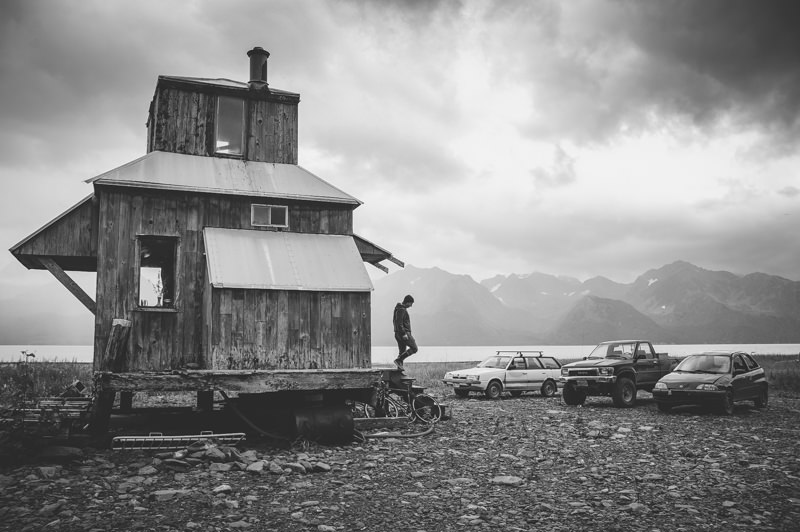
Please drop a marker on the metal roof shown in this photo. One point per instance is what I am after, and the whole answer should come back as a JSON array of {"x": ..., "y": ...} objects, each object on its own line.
[
  {"x": 218, "y": 175},
  {"x": 243, "y": 258},
  {"x": 222, "y": 82}
]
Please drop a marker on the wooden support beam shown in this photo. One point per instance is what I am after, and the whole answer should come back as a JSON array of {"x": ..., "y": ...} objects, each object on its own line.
[
  {"x": 205, "y": 401},
  {"x": 243, "y": 381},
  {"x": 116, "y": 354},
  {"x": 67, "y": 281},
  {"x": 126, "y": 402},
  {"x": 381, "y": 267},
  {"x": 397, "y": 261}
]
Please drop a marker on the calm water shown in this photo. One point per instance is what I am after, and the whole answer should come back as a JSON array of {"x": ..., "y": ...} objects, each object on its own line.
[{"x": 385, "y": 354}]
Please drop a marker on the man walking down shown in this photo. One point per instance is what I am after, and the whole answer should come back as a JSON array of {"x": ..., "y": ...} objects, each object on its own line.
[{"x": 406, "y": 345}]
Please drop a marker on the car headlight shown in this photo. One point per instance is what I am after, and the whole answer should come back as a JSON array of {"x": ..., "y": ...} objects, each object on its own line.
[
  {"x": 660, "y": 386},
  {"x": 476, "y": 378},
  {"x": 708, "y": 387},
  {"x": 564, "y": 371},
  {"x": 448, "y": 375},
  {"x": 605, "y": 371}
]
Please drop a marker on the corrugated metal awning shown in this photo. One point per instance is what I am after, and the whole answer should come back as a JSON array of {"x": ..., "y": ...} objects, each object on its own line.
[
  {"x": 241, "y": 258},
  {"x": 218, "y": 175}
]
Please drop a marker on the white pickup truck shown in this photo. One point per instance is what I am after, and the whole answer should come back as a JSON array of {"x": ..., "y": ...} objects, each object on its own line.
[{"x": 508, "y": 371}]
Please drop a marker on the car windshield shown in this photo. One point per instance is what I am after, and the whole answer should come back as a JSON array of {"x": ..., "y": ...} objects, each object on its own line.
[
  {"x": 613, "y": 351},
  {"x": 705, "y": 364},
  {"x": 495, "y": 362}
]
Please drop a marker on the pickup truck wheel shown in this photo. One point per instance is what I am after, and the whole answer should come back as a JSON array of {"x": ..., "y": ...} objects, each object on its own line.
[
  {"x": 549, "y": 388},
  {"x": 726, "y": 404},
  {"x": 572, "y": 396},
  {"x": 461, "y": 393},
  {"x": 494, "y": 390},
  {"x": 624, "y": 393},
  {"x": 762, "y": 399}
]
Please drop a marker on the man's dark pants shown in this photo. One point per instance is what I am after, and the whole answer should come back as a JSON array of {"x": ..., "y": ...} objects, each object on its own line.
[{"x": 405, "y": 346}]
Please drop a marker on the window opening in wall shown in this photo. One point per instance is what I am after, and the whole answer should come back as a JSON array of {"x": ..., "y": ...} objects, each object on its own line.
[
  {"x": 230, "y": 126},
  {"x": 269, "y": 215},
  {"x": 157, "y": 271}
]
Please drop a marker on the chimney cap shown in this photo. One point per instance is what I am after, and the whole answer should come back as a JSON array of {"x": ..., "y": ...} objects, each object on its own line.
[{"x": 257, "y": 50}]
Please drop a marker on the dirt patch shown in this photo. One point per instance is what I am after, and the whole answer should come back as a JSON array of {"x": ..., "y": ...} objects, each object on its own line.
[{"x": 527, "y": 463}]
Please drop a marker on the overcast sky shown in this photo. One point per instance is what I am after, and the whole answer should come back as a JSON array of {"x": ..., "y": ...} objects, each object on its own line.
[{"x": 580, "y": 137}]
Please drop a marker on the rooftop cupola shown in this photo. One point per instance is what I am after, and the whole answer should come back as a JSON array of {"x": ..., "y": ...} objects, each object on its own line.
[{"x": 217, "y": 117}]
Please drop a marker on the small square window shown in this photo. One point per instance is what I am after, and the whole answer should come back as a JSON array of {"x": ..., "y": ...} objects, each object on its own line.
[
  {"x": 269, "y": 215},
  {"x": 230, "y": 126},
  {"x": 157, "y": 271}
]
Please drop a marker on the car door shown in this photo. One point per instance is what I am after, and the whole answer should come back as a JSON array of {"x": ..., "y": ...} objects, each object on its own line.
[
  {"x": 741, "y": 383},
  {"x": 648, "y": 370},
  {"x": 516, "y": 374},
  {"x": 755, "y": 375},
  {"x": 536, "y": 373}
]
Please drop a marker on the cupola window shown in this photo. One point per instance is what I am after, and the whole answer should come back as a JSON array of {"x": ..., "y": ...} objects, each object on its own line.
[{"x": 230, "y": 126}]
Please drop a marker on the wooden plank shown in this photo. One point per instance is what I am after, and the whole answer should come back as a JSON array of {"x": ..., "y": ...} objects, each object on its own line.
[
  {"x": 242, "y": 381},
  {"x": 69, "y": 283}
]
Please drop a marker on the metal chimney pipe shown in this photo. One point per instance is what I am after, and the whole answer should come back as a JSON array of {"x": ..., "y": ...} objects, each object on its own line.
[{"x": 258, "y": 68}]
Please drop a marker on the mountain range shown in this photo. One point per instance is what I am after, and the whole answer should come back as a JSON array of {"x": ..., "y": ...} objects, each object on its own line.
[{"x": 677, "y": 303}]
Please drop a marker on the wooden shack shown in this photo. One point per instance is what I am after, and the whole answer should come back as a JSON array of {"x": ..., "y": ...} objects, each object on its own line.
[{"x": 216, "y": 251}]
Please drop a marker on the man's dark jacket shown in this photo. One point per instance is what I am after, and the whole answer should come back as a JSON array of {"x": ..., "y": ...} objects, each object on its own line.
[{"x": 402, "y": 321}]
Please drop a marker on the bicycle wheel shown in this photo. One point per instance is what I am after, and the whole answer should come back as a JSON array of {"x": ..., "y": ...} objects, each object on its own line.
[
  {"x": 362, "y": 410},
  {"x": 426, "y": 409},
  {"x": 391, "y": 408}
]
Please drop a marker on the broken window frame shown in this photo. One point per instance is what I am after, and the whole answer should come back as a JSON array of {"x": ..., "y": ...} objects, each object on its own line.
[{"x": 162, "y": 253}]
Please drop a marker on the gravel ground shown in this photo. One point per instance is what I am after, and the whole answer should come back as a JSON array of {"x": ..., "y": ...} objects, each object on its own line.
[{"x": 527, "y": 463}]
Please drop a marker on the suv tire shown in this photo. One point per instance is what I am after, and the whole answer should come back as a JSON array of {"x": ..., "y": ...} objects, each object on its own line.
[{"x": 624, "y": 393}]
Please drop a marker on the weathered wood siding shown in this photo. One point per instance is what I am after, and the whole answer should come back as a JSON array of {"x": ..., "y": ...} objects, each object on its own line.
[
  {"x": 184, "y": 121},
  {"x": 70, "y": 240},
  {"x": 288, "y": 329},
  {"x": 271, "y": 132},
  {"x": 167, "y": 339}
]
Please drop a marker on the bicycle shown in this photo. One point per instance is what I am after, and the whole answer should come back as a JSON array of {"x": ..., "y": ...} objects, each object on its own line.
[{"x": 399, "y": 402}]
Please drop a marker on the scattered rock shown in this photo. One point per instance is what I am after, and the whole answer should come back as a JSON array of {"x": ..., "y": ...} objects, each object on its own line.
[{"x": 507, "y": 480}]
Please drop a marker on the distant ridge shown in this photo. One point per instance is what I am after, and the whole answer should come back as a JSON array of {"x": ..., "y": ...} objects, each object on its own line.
[{"x": 676, "y": 303}]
